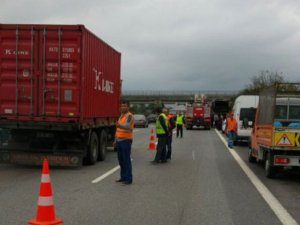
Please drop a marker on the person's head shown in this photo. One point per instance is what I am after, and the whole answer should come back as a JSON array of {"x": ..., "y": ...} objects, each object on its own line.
[
  {"x": 165, "y": 111},
  {"x": 124, "y": 106},
  {"x": 158, "y": 110},
  {"x": 180, "y": 113},
  {"x": 231, "y": 114}
]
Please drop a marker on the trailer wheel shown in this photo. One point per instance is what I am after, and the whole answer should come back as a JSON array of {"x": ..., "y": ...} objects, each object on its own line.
[
  {"x": 92, "y": 154},
  {"x": 102, "y": 145},
  {"x": 269, "y": 170}
]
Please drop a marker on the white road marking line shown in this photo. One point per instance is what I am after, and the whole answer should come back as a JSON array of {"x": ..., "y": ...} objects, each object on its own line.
[
  {"x": 271, "y": 200},
  {"x": 193, "y": 155},
  {"x": 98, "y": 179}
]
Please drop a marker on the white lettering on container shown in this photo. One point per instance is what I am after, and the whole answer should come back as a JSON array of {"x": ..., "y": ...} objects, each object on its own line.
[
  {"x": 107, "y": 86},
  {"x": 53, "y": 49},
  {"x": 8, "y": 111},
  {"x": 64, "y": 50},
  {"x": 66, "y": 55},
  {"x": 14, "y": 52},
  {"x": 69, "y": 50},
  {"x": 102, "y": 84}
]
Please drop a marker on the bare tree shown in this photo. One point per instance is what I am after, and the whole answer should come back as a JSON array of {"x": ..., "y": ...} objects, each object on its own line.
[{"x": 265, "y": 79}]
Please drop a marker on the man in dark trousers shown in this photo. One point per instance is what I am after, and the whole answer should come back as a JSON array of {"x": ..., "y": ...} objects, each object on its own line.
[
  {"x": 179, "y": 124},
  {"x": 123, "y": 143},
  {"x": 161, "y": 129},
  {"x": 171, "y": 126}
]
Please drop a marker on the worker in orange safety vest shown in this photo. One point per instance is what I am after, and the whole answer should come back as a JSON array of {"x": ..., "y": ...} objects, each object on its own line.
[
  {"x": 231, "y": 128},
  {"x": 123, "y": 142}
]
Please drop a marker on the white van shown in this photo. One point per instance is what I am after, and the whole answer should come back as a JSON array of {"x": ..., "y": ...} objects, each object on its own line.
[{"x": 244, "y": 109}]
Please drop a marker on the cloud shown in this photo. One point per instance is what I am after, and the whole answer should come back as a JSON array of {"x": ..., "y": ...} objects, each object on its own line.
[{"x": 182, "y": 45}]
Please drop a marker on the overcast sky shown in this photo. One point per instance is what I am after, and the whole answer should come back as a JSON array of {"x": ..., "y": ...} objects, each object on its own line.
[{"x": 182, "y": 44}]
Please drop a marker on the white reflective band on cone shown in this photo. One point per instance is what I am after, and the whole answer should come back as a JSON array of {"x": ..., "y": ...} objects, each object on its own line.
[
  {"x": 45, "y": 178},
  {"x": 45, "y": 201}
]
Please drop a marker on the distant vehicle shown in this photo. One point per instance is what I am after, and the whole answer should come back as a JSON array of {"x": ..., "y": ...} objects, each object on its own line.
[
  {"x": 220, "y": 106},
  {"x": 244, "y": 109},
  {"x": 140, "y": 120},
  {"x": 198, "y": 114},
  {"x": 151, "y": 118}
]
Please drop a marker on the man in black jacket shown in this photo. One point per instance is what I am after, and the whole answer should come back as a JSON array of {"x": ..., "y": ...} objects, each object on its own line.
[
  {"x": 161, "y": 128},
  {"x": 171, "y": 126}
]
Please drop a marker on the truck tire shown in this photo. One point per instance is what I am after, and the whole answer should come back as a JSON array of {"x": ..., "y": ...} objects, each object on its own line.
[
  {"x": 269, "y": 169},
  {"x": 102, "y": 145},
  {"x": 92, "y": 153},
  {"x": 251, "y": 158}
]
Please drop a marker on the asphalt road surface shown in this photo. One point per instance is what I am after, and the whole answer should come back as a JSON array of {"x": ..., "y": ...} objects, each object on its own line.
[{"x": 202, "y": 184}]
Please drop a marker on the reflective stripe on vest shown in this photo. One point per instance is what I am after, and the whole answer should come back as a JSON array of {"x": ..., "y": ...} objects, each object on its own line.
[
  {"x": 158, "y": 127},
  {"x": 179, "y": 120},
  {"x": 123, "y": 133}
]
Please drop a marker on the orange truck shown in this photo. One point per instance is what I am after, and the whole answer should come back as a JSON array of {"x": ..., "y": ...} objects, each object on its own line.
[{"x": 275, "y": 138}]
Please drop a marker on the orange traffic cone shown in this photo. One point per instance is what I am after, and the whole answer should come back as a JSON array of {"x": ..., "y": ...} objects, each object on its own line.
[
  {"x": 151, "y": 146},
  {"x": 45, "y": 209}
]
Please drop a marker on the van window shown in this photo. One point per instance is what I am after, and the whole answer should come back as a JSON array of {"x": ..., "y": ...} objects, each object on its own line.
[
  {"x": 248, "y": 114},
  {"x": 294, "y": 112},
  {"x": 281, "y": 112}
]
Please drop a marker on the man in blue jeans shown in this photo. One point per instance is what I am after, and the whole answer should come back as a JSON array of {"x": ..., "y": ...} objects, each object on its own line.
[
  {"x": 231, "y": 128},
  {"x": 123, "y": 143}
]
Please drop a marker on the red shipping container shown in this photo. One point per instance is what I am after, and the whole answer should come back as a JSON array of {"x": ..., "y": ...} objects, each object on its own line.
[{"x": 57, "y": 74}]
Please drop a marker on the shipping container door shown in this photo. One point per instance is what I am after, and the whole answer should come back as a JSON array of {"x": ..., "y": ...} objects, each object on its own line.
[
  {"x": 18, "y": 67},
  {"x": 60, "y": 73}
]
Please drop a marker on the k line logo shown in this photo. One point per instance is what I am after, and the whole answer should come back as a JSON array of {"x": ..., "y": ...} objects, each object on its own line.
[
  {"x": 14, "y": 52},
  {"x": 102, "y": 84}
]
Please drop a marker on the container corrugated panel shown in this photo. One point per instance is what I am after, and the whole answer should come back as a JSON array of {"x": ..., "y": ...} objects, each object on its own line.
[{"x": 57, "y": 73}]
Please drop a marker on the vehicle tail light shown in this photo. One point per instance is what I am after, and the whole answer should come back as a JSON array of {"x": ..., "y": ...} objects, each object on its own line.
[{"x": 282, "y": 160}]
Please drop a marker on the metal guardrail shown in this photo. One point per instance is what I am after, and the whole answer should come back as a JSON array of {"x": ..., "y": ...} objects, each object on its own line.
[{"x": 176, "y": 93}]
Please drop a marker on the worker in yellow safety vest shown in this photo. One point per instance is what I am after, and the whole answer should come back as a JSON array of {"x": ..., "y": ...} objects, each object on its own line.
[
  {"x": 179, "y": 124},
  {"x": 171, "y": 126},
  {"x": 161, "y": 128}
]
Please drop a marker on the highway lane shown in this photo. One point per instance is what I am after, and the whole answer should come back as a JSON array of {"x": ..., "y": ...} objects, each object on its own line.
[
  {"x": 201, "y": 185},
  {"x": 285, "y": 187}
]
